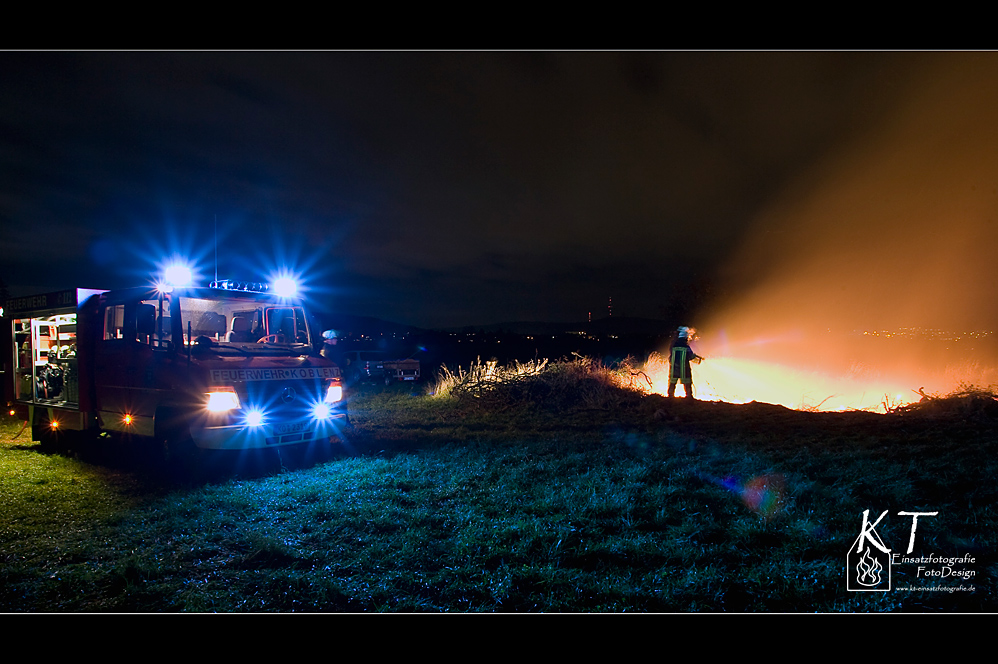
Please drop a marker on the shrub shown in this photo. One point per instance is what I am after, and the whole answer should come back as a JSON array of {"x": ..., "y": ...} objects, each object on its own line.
[
  {"x": 966, "y": 401},
  {"x": 482, "y": 377},
  {"x": 570, "y": 382}
]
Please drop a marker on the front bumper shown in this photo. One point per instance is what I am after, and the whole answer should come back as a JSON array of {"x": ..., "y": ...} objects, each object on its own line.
[{"x": 246, "y": 437}]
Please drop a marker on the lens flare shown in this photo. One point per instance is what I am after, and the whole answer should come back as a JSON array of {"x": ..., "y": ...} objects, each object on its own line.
[
  {"x": 177, "y": 275},
  {"x": 285, "y": 286},
  {"x": 763, "y": 494}
]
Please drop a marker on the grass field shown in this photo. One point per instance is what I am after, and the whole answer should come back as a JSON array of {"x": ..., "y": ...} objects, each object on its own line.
[{"x": 530, "y": 503}]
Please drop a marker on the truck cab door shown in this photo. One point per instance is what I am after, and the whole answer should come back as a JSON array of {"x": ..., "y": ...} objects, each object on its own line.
[{"x": 128, "y": 367}]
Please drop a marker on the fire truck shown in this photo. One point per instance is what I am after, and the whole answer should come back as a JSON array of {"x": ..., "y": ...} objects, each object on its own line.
[{"x": 226, "y": 367}]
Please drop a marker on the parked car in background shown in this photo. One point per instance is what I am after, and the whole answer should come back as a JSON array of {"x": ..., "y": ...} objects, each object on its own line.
[
  {"x": 363, "y": 365},
  {"x": 401, "y": 371},
  {"x": 372, "y": 366}
]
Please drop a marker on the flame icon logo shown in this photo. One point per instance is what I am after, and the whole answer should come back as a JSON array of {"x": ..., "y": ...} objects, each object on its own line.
[
  {"x": 868, "y": 570},
  {"x": 868, "y": 563}
]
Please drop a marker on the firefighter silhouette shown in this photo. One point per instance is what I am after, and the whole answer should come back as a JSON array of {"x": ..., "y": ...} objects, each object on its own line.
[{"x": 680, "y": 357}]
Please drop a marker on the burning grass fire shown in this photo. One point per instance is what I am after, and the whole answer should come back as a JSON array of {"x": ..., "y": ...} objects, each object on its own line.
[
  {"x": 739, "y": 380},
  {"x": 786, "y": 371},
  {"x": 791, "y": 372},
  {"x": 834, "y": 298}
]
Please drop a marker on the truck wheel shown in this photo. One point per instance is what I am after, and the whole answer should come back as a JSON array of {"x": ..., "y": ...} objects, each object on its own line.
[
  {"x": 177, "y": 451},
  {"x": 178, "y": 446},
  {"x": 182, "y": 457},
  {"x": 48, "y": 440},
  {"x": 173, "y": 447}
]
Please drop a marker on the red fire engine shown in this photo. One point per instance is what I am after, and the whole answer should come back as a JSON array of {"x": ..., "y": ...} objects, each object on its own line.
[{"x": 226, "y": 367}]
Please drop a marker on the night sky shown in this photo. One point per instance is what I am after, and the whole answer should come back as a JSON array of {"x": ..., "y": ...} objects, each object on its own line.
[{"x": 466, "y": 188}]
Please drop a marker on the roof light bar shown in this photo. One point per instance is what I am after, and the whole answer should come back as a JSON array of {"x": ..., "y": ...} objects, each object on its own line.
[
  {"x": 282, "y": 286},
  {"x": 247, "y": 286}
]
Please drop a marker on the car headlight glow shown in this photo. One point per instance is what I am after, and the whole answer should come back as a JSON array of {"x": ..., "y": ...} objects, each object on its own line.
[
  {"x": 334, "y": 393},
  {"x": 220, "y": 401},
  {"x": 254, "y": 418},
  {"x": 322, "y": 411}
]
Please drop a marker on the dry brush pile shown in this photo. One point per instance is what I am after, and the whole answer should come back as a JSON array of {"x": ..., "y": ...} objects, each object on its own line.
[
  {"x": 576, "y": 382},
  {"x": 968, "y": 402}
]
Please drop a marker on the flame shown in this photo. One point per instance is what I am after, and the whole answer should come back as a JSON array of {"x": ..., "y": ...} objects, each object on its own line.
[
  {"x": 868, "y": 570},
  {"x": 891, "y": 229},
  {"x": 741, "y": 380},
  {"x": 802, "y": 372}
]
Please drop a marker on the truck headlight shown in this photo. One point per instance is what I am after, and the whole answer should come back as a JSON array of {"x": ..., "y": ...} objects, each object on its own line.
[
  {"x": 222, "y": 400},
  {"x": 333, "y": 393},
  {"x": 254, "y": 418}
]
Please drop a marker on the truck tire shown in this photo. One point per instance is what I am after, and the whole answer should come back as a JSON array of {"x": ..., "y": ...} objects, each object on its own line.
[
  {"x": 182, "y": 457},
  {"x": 179, "y": 455},
  {"x": 62, "y": 441},
  {"x": 48, "y": 440}
]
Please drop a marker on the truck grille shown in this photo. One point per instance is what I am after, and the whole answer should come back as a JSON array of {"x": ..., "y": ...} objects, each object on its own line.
[{"x": 281, "y": 400}]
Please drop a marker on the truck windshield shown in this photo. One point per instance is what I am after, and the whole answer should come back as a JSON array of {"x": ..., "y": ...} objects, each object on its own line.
[{"x": 243, "y": 324}]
